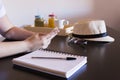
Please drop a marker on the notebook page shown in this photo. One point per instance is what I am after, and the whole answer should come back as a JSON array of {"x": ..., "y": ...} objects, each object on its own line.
[{"x": 56, "y": 66}]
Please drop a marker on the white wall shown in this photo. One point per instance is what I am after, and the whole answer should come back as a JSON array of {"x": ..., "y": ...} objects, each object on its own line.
[
  {"x": 21, "y": 12},
  {"x": 109, "y": 11}
]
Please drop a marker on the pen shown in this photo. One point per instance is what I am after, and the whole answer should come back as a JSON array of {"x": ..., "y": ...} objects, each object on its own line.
[{"x": 66, "y": 58}]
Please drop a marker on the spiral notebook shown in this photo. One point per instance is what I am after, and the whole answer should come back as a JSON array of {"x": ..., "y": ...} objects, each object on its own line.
[{"x": 58, "y": 66}]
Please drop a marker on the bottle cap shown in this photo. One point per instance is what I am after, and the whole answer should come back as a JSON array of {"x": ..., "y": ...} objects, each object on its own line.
[
  {"x": 37, "y": 16},
  {"x": 51, "y": 15}
]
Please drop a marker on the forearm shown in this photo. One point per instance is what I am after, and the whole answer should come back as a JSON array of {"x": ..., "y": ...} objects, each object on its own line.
[
  {"x": 11, "y": 48},
  {"x": 17, "y": 34},
  {"x": 8, "y": 30}
]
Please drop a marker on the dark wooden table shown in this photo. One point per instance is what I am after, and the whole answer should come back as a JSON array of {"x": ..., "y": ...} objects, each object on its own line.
[{"x": 103, "y": 61}]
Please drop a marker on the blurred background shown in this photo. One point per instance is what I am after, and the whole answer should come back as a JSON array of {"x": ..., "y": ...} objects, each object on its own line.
[{"x": 22, "y": 12}]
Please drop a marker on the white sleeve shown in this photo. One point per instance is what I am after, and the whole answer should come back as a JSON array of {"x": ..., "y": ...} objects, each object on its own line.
[{"x": 2, "y": 9}]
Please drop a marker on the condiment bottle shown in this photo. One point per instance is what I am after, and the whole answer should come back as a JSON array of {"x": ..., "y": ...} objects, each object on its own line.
[
  {"x": 39, "y": 22},
  {"x": 51, "y": 21}
]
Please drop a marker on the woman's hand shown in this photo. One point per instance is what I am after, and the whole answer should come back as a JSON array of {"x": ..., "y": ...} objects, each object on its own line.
[{"x": 39, "y": 40}]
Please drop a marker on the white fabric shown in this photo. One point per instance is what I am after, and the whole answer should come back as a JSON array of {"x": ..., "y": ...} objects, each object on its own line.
[{"x": 2, "y": 9}]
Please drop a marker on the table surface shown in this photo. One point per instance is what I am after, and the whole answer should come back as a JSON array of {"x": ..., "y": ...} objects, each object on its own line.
[{"x": 102, "y": 61}]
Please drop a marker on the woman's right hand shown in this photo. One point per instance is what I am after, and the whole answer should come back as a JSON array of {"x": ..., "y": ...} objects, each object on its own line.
[{"x": 39, "y": 40}]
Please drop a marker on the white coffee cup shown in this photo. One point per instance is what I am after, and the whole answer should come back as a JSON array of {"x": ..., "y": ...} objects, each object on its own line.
[{"x": 61, "y": 23}]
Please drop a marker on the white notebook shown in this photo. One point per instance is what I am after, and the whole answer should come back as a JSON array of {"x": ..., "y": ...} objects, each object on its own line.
[{"x": 58, "y": 67}]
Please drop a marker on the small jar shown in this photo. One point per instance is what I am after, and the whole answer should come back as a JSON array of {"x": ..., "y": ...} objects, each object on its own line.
[
  {"x": 39, "y": 22},
  {"x": 51, "y": 21}
]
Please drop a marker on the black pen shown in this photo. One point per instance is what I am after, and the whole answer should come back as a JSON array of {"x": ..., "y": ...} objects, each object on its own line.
[{"x": 64, "y": 58}]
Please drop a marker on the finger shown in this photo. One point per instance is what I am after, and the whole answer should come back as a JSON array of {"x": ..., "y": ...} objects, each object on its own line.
[
  {"x": 52, "y": 34},
  {"x": 46, "y": 44}
]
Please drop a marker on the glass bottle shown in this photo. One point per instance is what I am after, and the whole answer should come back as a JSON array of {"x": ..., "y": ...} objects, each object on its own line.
[
  {"x": 39, "y": 22},
  {"x": 51, "y": 21}
]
